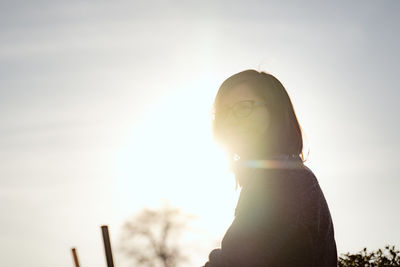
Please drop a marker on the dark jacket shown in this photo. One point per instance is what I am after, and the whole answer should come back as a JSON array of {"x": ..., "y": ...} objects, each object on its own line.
[{"x": 281, "y": 220}]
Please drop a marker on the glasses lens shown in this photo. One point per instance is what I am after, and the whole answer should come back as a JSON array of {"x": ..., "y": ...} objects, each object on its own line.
[{"x": 243, "y": 109}]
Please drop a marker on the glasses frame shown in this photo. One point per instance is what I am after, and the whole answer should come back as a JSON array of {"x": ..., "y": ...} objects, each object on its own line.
[{"x": 228, "y": 110}]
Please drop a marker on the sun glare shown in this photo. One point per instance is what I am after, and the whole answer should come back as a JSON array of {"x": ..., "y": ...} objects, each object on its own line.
[{"x": 170, "y": 155}]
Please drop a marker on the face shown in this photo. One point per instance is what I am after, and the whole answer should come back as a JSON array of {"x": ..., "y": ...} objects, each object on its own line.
[{"x": 243, "y": 136}]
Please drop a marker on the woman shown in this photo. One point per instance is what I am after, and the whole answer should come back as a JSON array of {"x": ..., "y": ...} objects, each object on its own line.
[{"x": 282, "y": 218}]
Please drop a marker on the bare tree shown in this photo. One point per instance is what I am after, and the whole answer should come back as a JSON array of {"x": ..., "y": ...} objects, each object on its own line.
[{"x": 151, "y": 237}]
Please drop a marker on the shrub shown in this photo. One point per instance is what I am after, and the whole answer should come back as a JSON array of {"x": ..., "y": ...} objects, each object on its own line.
[{"x": 387, "y": 257}]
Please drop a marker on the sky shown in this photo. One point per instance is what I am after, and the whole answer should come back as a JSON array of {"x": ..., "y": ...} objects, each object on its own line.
[{"x": 105, "y": 110}]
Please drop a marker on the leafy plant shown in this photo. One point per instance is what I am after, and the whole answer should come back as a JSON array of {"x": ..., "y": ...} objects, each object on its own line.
[{"x": 380, "y": 258}]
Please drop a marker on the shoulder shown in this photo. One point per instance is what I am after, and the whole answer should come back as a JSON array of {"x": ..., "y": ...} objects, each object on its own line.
[
  {"x": 275, "y": 193},
  {"x": 281, "y": 183}
]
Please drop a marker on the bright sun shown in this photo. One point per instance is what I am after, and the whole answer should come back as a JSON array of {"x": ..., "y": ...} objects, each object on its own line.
[{"x": 170, "y": 155}]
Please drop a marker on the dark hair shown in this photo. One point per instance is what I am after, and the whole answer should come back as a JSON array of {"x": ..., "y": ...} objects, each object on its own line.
[{"x": 285, "y": 135}]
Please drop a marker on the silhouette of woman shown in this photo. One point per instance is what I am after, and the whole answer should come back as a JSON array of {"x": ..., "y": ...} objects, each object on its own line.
[{"x": 282, "y": 218}]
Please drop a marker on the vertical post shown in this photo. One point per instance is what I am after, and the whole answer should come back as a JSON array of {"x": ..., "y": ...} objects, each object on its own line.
[
  {"x": 75, "y": 256},
  {"x": 107, "y": 246}
]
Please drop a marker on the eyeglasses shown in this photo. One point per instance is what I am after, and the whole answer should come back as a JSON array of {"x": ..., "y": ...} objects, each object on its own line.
[{"x": 241, "y": 109}]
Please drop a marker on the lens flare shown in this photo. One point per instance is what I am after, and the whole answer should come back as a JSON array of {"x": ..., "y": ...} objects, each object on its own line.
[{"x": 279, "y": 162}]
